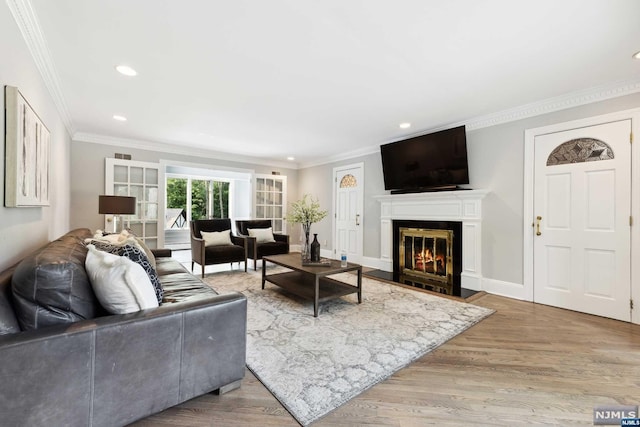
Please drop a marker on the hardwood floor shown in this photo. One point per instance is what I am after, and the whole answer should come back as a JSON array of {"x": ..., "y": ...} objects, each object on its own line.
[{"x": 527, "y": 364}]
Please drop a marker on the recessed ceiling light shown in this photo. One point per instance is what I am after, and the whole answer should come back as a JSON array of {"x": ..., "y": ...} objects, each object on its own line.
[
  {"x": 119, "y": 118},
  {"x": 291, "y": 158},
  {"x": 636, "y": 55},
  {"x": 126, "y": 70},
  {"x": 405, "y": 125}
]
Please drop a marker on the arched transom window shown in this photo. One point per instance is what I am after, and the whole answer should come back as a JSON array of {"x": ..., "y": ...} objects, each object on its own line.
[
  {"x": 348, "y": 181},
  {"x": 580, "y": 150}
]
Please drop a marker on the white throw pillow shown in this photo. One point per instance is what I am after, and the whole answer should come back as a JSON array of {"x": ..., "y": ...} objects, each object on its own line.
[
  {"x": 262, "y": 235},
  {"x": 217, "y": 238},
  {"x": 121, "y": 285}
]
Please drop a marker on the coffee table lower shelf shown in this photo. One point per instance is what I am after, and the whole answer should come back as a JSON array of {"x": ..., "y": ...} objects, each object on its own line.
[{"x": 303, "y": 285}]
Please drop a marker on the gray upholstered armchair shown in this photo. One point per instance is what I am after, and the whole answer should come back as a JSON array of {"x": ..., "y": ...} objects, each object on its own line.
[
  {"x": 256, "y": 250},
  {"x": 233, "y": 251}
]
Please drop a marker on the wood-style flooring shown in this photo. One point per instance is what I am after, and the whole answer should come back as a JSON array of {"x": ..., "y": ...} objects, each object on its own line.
[{"x": 527, "y": 364}]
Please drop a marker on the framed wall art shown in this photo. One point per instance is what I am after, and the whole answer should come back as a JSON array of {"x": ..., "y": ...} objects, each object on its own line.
[{"x": 27, "y": 153}]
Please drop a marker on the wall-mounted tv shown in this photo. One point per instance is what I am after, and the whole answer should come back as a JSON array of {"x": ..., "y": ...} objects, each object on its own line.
[{"x": 436, "y": 161}]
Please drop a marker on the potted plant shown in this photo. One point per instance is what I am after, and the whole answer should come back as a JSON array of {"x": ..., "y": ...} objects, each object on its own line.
[{"x": 306, "y": 211}]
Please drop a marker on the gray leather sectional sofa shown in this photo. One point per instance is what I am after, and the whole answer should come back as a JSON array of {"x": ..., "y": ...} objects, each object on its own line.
[{"x": 111, "y": 370}]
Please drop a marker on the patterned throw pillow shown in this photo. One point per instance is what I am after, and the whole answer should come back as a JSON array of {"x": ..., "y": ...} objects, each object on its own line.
[
  {"x": 125, "y": 237},
  {"x": 136, "y": 255}
]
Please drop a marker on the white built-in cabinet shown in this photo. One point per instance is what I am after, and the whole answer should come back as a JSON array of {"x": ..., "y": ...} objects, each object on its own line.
[
  {"x": 271, "y": 200},
  {"x": 140, "y": 180}
]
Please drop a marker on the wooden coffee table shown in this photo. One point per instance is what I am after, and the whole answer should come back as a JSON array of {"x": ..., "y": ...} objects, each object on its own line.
[{"x": 311, "y": 282}]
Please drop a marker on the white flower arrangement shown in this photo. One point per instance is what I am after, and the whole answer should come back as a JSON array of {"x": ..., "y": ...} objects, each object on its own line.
[{"x": 306, "y": 211}]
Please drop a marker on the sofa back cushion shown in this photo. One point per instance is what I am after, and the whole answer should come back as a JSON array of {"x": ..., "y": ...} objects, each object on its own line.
[{"x": 51, "y": 287}]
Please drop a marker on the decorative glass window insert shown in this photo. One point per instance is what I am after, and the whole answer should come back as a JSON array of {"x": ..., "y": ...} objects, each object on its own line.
[
  {"x": 271, "y": 195},
  {"x": 348, "y": 181},
  {"x": 580, "y": 150}
]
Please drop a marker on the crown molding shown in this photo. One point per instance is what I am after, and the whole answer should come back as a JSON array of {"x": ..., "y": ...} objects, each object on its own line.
[
  {"x": 562, "y": 102},
  {"x": 343, "y": 156},
  {"x": 27, "y": 22},
  {"x": 178, "y": 149},
  {"x": 573, "y": 99}
]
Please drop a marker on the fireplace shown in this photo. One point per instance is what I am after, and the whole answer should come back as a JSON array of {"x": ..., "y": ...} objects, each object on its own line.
[
  {"x": 462, "y": 208},
  {"x": 428, "y": 255}
]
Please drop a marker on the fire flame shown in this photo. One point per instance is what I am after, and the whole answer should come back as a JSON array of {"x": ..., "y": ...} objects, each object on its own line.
[{"x": 425, "y": 257}]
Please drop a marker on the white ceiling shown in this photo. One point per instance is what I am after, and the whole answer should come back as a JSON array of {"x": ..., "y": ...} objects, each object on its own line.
[{"x": 316, "y": 79}]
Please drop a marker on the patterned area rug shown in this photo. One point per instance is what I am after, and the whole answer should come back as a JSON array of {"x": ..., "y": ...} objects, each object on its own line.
[{"x": 313, "y": 365}]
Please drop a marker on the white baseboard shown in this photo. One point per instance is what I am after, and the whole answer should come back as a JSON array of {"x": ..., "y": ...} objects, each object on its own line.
[
  {"x": 326, "y": 253},
  {"x": 377, "y": 263},
  {"x": 471, "y": 281},
  {"x": 505, "y": 289}
]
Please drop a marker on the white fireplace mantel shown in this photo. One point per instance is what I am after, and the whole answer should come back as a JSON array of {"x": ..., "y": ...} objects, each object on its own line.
[{"x": 461, "y": 205}]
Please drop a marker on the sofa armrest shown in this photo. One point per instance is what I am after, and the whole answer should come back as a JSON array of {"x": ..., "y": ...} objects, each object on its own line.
[
  {"x": 161, "y": 253},
  {"x": 281, "y": 238},
  {"x": 239, "y": 240},
  {"x": 252, "y": 247},
  {"x": 197, "y": 249}
]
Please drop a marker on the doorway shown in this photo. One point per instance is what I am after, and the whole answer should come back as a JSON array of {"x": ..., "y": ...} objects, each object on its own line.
[
  {"x": 578, "y": 237},
  {"x": 349, "y": 205},
  {"x": 189, "y": 198}
]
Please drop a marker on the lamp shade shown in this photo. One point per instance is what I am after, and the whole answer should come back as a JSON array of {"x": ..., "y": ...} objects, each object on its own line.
[{"x": 117, "y": 205}]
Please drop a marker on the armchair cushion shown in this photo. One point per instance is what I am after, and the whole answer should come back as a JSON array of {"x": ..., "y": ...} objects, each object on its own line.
[
  {"x": 224, "y": 253},
  {"x": 272, "y": 248},
  {"x": 262, "y": 235},
  {"x": 216, "y": 238}
]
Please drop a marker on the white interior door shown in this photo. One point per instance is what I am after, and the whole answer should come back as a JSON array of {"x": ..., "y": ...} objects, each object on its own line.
[
  {"x": 582, "y": 205},
  {"x": 349, "y": 204}
]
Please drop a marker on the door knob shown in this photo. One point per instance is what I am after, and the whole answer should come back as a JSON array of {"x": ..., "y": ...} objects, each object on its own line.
[
  {"x": 538, "y": 219},
  {"x": 357, "y": 219}
]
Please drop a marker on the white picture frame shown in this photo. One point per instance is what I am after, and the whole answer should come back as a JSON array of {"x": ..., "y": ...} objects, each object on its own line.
[{"x": 27, "y": 153}]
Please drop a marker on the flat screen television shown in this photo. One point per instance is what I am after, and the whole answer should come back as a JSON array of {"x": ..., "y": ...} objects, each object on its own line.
[{"x": 436, "y": 161}]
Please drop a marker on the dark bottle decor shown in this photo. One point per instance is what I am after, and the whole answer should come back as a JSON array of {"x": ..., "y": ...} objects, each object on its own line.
[{"x": 315, "y": 249}]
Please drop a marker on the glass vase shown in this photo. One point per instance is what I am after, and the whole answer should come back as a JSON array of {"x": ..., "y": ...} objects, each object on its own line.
[{"x": 305, "y": 251}]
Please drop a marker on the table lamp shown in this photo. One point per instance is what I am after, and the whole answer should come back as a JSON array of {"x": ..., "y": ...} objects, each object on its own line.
[{"x": 117, "y": 206}]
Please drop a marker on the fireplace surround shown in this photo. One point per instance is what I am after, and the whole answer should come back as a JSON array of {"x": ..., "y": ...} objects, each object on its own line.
[{"x": 463, "y": 206}]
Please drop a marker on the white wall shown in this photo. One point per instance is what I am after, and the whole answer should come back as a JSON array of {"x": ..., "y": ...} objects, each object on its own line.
[
  {"x": 496, "y": 163},
  {"x": 87, "y": 164},
  {"x": 23, "y": 230}
]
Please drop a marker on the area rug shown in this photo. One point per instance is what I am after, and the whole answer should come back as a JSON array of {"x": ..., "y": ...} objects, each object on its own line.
[{"x": 313, "y": 365}]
